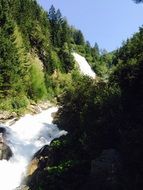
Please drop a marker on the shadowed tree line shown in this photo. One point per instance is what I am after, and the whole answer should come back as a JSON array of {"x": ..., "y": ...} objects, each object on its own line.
[
  {"x": 104, "y": 121},
  {"x": 101, "y": 116}
]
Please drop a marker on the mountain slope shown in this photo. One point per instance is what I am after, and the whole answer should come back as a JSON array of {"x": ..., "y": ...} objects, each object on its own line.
[{"x": 30, "y": 39}]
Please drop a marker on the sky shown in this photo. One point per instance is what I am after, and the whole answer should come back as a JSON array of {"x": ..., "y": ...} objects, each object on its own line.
[{"x": 106, "y": 22}]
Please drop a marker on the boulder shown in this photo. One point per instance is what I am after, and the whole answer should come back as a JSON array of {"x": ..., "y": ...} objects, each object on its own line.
[
  {"x": 38, "y": 161},
  {"x": 107, "y": 171},
  {"x": 5, "y": 115},
  {"x": 2, "y": 130},
  {"x": 37, "y": 108},
  {"x": 45, "y": 105},
  {"x": 55, "y": 166},
  {"x": 5, "y": 151}
]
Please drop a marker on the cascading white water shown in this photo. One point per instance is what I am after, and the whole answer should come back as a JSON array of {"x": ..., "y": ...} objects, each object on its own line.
[
  {"x": 25, "y": 137},
  {"x": 84, "y": 66}
]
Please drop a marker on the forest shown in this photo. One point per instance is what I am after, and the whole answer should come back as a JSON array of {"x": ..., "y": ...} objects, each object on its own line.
[
  {"x": 103, "y": 117},
  {"x": 37, "y": 43}
]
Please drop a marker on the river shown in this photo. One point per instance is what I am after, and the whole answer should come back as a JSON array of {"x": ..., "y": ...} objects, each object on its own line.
[
  {"x": 84, "y": 66},
  {"x": 25, "y": 137}
]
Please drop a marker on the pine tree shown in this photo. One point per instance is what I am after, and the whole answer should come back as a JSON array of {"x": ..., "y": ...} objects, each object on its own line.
[
  {"x": 52, "y": 14},
  {"x": 78, "y": 37},
  {"x": 138, "y": 1}
]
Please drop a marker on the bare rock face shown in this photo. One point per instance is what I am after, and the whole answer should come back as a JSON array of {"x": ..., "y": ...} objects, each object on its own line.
[
  {"x": 5, "y": 151},
  {"x": 39, "y": 160},
  {"x": 33, "y": 165},
  {"x": 106, "y": 171},
  {"x": 22, "y": 187}
]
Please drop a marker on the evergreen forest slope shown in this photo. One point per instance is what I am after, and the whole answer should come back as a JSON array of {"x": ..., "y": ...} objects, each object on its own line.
[
  {"x": 36, "y": 61},
  {"x": 104, "y": 117}
]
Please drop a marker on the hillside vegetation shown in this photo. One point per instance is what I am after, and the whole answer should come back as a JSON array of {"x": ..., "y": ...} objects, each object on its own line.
[
  {"x": 104, "y": 117},
  {"x": 108, "y": 116},
  {"x": 35, "y": 53}
]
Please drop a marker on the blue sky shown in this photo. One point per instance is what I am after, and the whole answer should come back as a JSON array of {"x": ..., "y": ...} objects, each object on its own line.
[{"x": 107, "y": 22}]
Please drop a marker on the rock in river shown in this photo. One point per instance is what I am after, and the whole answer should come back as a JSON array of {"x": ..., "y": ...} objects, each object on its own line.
[{"x": 5, "y": 150}]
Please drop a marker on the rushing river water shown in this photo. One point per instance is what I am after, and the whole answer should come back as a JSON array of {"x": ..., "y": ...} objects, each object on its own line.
[
  {"x": 28, "y": 135},
  {"x": 84, "y": 66},
  {"x": 25, "y": 137}
]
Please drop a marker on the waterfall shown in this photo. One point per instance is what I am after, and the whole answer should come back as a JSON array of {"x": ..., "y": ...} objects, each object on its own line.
[
  {"x": 84, "y": 66},
  {"x": 25, "y": 137}
]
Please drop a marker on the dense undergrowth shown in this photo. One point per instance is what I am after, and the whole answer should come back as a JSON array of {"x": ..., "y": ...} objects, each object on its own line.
[
  {"x": 35, "y": 51},
  {"x": 103, "y": 114}
]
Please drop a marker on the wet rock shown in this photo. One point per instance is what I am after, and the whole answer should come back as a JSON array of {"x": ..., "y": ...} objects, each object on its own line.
[
  {"x": 39, "y": 160},
  {"x": 37, "y": 108},
  {"x": 2, "y": 130},
  {"x": 5, "y": 151},
  {"x": 32, "y": 167},
  {"x": 34, "y": 109},
  {"x": 45, "y": 105}
]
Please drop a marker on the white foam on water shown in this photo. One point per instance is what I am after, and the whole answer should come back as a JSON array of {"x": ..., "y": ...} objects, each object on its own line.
[
  {"x": 84, "y": 66},
  {"x": 25, "y": 137}
]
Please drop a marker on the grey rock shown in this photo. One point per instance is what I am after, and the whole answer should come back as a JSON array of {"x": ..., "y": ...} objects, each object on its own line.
[
  {"x": 2, "y": 130},
  {"x": 106, "y": 171},
  {"x": 5, "y": 151},
  {"x": 5, "y": 115}
]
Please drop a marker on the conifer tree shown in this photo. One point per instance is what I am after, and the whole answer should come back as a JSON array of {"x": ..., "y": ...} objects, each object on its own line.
[
  {"x": 78, "y": 37},
  {"x": 138, "y": 1}
]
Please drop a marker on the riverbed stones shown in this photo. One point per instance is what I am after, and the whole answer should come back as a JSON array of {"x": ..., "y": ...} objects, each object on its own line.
[
  {"x": 37, "y": 108},
  {"x": 22, "y": 187},
  {"x": 5, "y": 115},
  {"x": 2, "y": 130}
]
